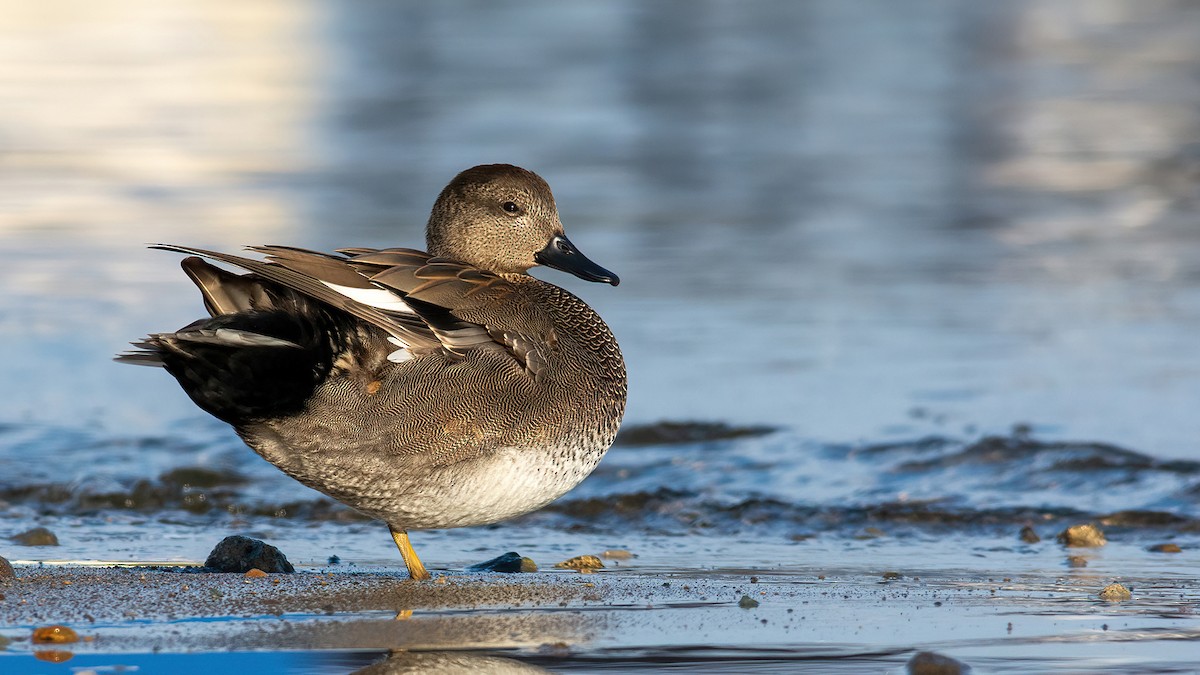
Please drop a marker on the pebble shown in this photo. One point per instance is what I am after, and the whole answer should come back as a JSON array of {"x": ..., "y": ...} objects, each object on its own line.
[
  {"x": 241, "y": 554},
  {"x": 509, "y": 563},
  {"x": 1082, "y": 535},
  {"x": 56, "y": 635},
  {"x": 581, "y": 562},
  {"x": 1115, "y": 593},
  {"x": 255, "y": 574},
  {"x": 932, "y": 663},
  {"x": 1029, "y": 536},
  {"x": 747, "y": 602},
  {"x": 38, "y": 536},
  {"x": 1157, "y": 548},
  {"x": 7, "y": 573}
]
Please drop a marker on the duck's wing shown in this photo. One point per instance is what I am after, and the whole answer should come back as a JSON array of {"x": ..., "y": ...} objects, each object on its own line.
[
  {"x": 424, "y": 303},
  {"x": 319, "y": 276},
  {"x": 465, "y": 307}
]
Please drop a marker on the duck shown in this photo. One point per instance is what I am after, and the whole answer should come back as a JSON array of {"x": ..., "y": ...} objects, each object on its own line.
[{"x": 425, "y": 389}]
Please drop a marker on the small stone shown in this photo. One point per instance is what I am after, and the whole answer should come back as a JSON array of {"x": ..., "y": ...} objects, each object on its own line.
[
  {"x": 38, "y": 536},
  {"x": 932, "y": 663},
  {"x": 1076, "y": 561},
  {"x": 1082, "y": 536},
  {"x": 255, "y": 573},
  {"x": 54, "y": 635},
  {"x": 509, "y": 563},
  {"x": 581, "y": 562},
  {"x": 241, "y": 554},
  {"x": 1115, "y": 593},
  {"x": 334, "y": 560},
  {"x": 892, "y": 575},
  {"x": 1157, "y": 548},
  {"x": 1027, "y": 535},
  {"x": 747, "y": 602},
  {"x": 7, "y": 573},
  {"x": 617, "y": 554}
]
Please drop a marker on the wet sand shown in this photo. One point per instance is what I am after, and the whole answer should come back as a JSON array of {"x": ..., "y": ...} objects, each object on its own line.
[
  {"x": 890, "y": 235},
  {"x": 852, "y": 619}
]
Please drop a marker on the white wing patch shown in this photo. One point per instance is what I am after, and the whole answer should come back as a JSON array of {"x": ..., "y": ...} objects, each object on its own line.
[
  {"x": 373, "y": 297},
  {"x": 233, "y": 338},
  {"x": 402, "y": 354}
]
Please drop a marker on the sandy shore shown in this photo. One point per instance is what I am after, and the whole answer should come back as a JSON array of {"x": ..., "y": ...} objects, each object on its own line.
[{"x": 341, "y": 621}]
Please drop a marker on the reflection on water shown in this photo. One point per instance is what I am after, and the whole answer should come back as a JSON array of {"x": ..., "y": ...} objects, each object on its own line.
[{"x": 398, "y": 663}]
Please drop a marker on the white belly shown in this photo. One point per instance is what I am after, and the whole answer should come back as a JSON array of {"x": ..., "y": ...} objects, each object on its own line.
[{"x": 503, "y": 485}]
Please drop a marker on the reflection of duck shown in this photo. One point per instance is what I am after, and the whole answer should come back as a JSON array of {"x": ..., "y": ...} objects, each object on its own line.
[
  {"x": 428, "y": 390},
  {"x": 446, "y": 662}
]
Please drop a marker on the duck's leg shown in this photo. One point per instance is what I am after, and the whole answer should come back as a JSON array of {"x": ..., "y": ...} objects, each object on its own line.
[{"x": 415, "y": 569}]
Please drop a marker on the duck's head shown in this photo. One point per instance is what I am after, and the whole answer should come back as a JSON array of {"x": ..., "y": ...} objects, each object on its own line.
[{"x": 502, "y": 218}]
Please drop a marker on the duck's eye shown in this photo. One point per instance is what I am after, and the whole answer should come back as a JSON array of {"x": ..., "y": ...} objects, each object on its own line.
[{"x": 510, "y": 207}]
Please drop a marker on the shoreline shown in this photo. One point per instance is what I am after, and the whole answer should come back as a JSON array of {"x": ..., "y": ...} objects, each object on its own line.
[{"x": 570, "y": 620}]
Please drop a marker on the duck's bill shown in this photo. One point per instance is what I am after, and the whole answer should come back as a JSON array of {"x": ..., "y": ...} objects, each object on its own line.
[{"x": 561, "y": 254}]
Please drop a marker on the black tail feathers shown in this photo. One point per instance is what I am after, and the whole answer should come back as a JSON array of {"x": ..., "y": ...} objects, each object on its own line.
[{"x": 246, "y": 366}]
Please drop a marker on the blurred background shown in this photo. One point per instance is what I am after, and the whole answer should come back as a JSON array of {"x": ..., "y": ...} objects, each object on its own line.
[{"x": 860, "y": 221}]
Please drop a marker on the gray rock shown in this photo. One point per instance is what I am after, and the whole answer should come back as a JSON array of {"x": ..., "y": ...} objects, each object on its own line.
[
  {"x": 38, "y": 536},
  {"x": 242, "y": 554},
  {"x": 7, "y": 573},
  {"x": 510, "y": 562}
]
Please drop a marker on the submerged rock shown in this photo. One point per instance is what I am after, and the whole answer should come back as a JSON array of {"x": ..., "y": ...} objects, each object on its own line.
[
  {"x": 242, "y": 554},
  {"x": 38, "y": 536},
  {"x": 1165, "y": 548},
  {"x": 1029, "y": 536},
  {"x": 1115, "y": 593},
  {"x": 1076, "y": 561},
  {"x": 932, "y": 663},
  {"x": 7, "y": 573},
  {"x": 509, "y": 563},
  {"x": 747, "y": 602},
  {"x": 674, "y": 433},
  {"x": 1082, "y": 536},
  {"x": 581, "y": 562},
  {"x": 200, "y": 477}
]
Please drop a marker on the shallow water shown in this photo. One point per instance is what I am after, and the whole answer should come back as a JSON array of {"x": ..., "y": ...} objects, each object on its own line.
[{"x": 946, "y": 255}]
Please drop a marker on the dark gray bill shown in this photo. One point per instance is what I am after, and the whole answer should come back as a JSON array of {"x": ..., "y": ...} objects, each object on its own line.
[{"x": 561, "y": 254}]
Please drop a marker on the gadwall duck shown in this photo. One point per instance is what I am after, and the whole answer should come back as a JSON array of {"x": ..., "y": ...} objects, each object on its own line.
[{"x": 427, "y": 390}]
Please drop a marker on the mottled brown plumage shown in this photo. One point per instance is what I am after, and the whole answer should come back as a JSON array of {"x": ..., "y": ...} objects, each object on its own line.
[{"x": 428, "y": 390}]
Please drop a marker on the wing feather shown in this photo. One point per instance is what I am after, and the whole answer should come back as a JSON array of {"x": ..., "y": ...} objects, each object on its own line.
[{"x": 421, "y": 301}]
